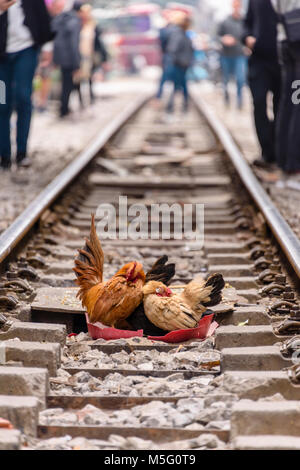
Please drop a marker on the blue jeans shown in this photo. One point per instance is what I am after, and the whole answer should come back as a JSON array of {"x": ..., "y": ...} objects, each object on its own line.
[
  {"x": 234, "y": 67},
  {"x": 165, "y": 75},
  {"x": 17, "y": 71},
  {"x": 178, "y": 75}
]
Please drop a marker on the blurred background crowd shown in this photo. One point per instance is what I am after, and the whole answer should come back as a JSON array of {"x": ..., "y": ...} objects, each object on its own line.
[
  {"x": 128, "y": 40},
  {"x": 81, "y": 43}
]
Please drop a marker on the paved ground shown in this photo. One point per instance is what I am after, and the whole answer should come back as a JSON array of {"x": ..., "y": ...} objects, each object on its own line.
[{"x": 239, "y": 122}]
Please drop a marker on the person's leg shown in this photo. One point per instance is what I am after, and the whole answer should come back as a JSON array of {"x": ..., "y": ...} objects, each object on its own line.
[
  {"x": 44, "y": 92},
  {"x": 276, "y": 86},
  {"x": 185, "y": 94},
  {"x": 259, "y": 82},
  {"x": 77, "y": 87},
  {"x": 6, "y": 78},
  {"x": 164, "y": 77},
  {"x": 240, "y": 77},
  {"x": 284, "y": 110},
  {"x": 172, "y": 74},
  {"x": 184, "y": 87},
  {"x": 161, "y": 84},
  {"x": 225, "y": 65},
  {"x": 92, "y": 94},
  {"x": 25, "y": 65},
  {"x": 67, "y": 88},
  {"x": 170, "y": 105}
]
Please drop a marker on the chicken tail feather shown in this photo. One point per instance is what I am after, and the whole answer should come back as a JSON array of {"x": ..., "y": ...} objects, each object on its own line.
[
  {"x": 89, "y": 262},
  {"x": 161, "y": 271},
  {"x": 217, "y": 283}
]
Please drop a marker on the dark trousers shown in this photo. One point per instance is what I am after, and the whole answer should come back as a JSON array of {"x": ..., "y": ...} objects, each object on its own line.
[
  {"x": 165, "y": 75},
  {"x": 16, "y": 72},
  {"x": 288, "y": 123},
  {"x": 178, "y": 75},
  {"x": 234, "y": 67},
  {"x": 66, "y": 90},
  {"x": 163, "y": 80},
  {"x": 264, "y": 77}
]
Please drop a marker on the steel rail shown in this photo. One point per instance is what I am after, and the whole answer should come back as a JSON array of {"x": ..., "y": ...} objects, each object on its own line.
[
  {"x": 25, "y": 221},
  {"x": 285, "y": 236}
]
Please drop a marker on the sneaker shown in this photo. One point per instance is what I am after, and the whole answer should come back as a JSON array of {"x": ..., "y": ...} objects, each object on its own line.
[
  {"x": 266, "y": 176},
  {"x": 268, "y": 166},
  {"x": 227, "y": 100},
  {"x": 23, "y": 161},
  {"x": 41, "y": 109},
  {"x": 294, "y": 174},
  {"x": 26, "y": 163}
]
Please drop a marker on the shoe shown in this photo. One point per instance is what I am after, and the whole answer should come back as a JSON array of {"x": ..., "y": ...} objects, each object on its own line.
[
  {"x": 293, "y": 173},
  {"x": 227, "y": 100},
  {"x": 267, "y": 176},
  {"x": 41, "y": 109},
  {"x": 5, "y": 164},
  {"x": 63, "y": 114},
  {"x": 268, "y": 166},
  {"x": 23, "y": 161}
]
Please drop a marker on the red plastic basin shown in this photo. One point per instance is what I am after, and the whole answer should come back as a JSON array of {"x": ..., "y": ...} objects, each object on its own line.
[
  {"x": 98, "y": 331},
  {"x": 205, "y": 329}
]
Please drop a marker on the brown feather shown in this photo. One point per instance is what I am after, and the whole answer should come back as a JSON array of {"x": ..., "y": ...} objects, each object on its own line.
[{"x": 89, "y": 263}]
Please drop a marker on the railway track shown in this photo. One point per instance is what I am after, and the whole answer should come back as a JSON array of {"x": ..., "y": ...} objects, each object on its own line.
[{"x": 67, "y": 392}]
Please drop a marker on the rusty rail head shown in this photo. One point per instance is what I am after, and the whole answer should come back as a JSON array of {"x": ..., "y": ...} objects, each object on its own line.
[
  {"x": 285, "y": 236},
  {"x": 26, "y": 220}
]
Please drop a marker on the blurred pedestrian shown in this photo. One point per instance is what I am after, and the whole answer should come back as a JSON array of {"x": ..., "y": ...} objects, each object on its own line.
[
  {"x": 43, "y": 77},
  {"x": 43, "y": 80},
  {"x": 92, "y": 49},
  {"x": 260, "y": 36},
  {"x": 164, "y": 35},
  {"x": 24, "y": 28},
  {"x": 233, "y": 59},
  {"x": 288, "y": 124},
  {"x": 199, "y": 70},
  {"x": 67, "y": 27},
  {"x": 181, "y": 53}
]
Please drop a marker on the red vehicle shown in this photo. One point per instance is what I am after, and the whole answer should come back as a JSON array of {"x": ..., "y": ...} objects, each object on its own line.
[
  {"x": 132, "y": 35},
  {"x": 175, "y": 6}
]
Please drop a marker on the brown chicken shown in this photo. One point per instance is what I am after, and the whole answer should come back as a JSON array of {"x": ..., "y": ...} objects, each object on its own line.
[
  {"x": 108, "y": 302},
  {"x": 170, "y": 311}
]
